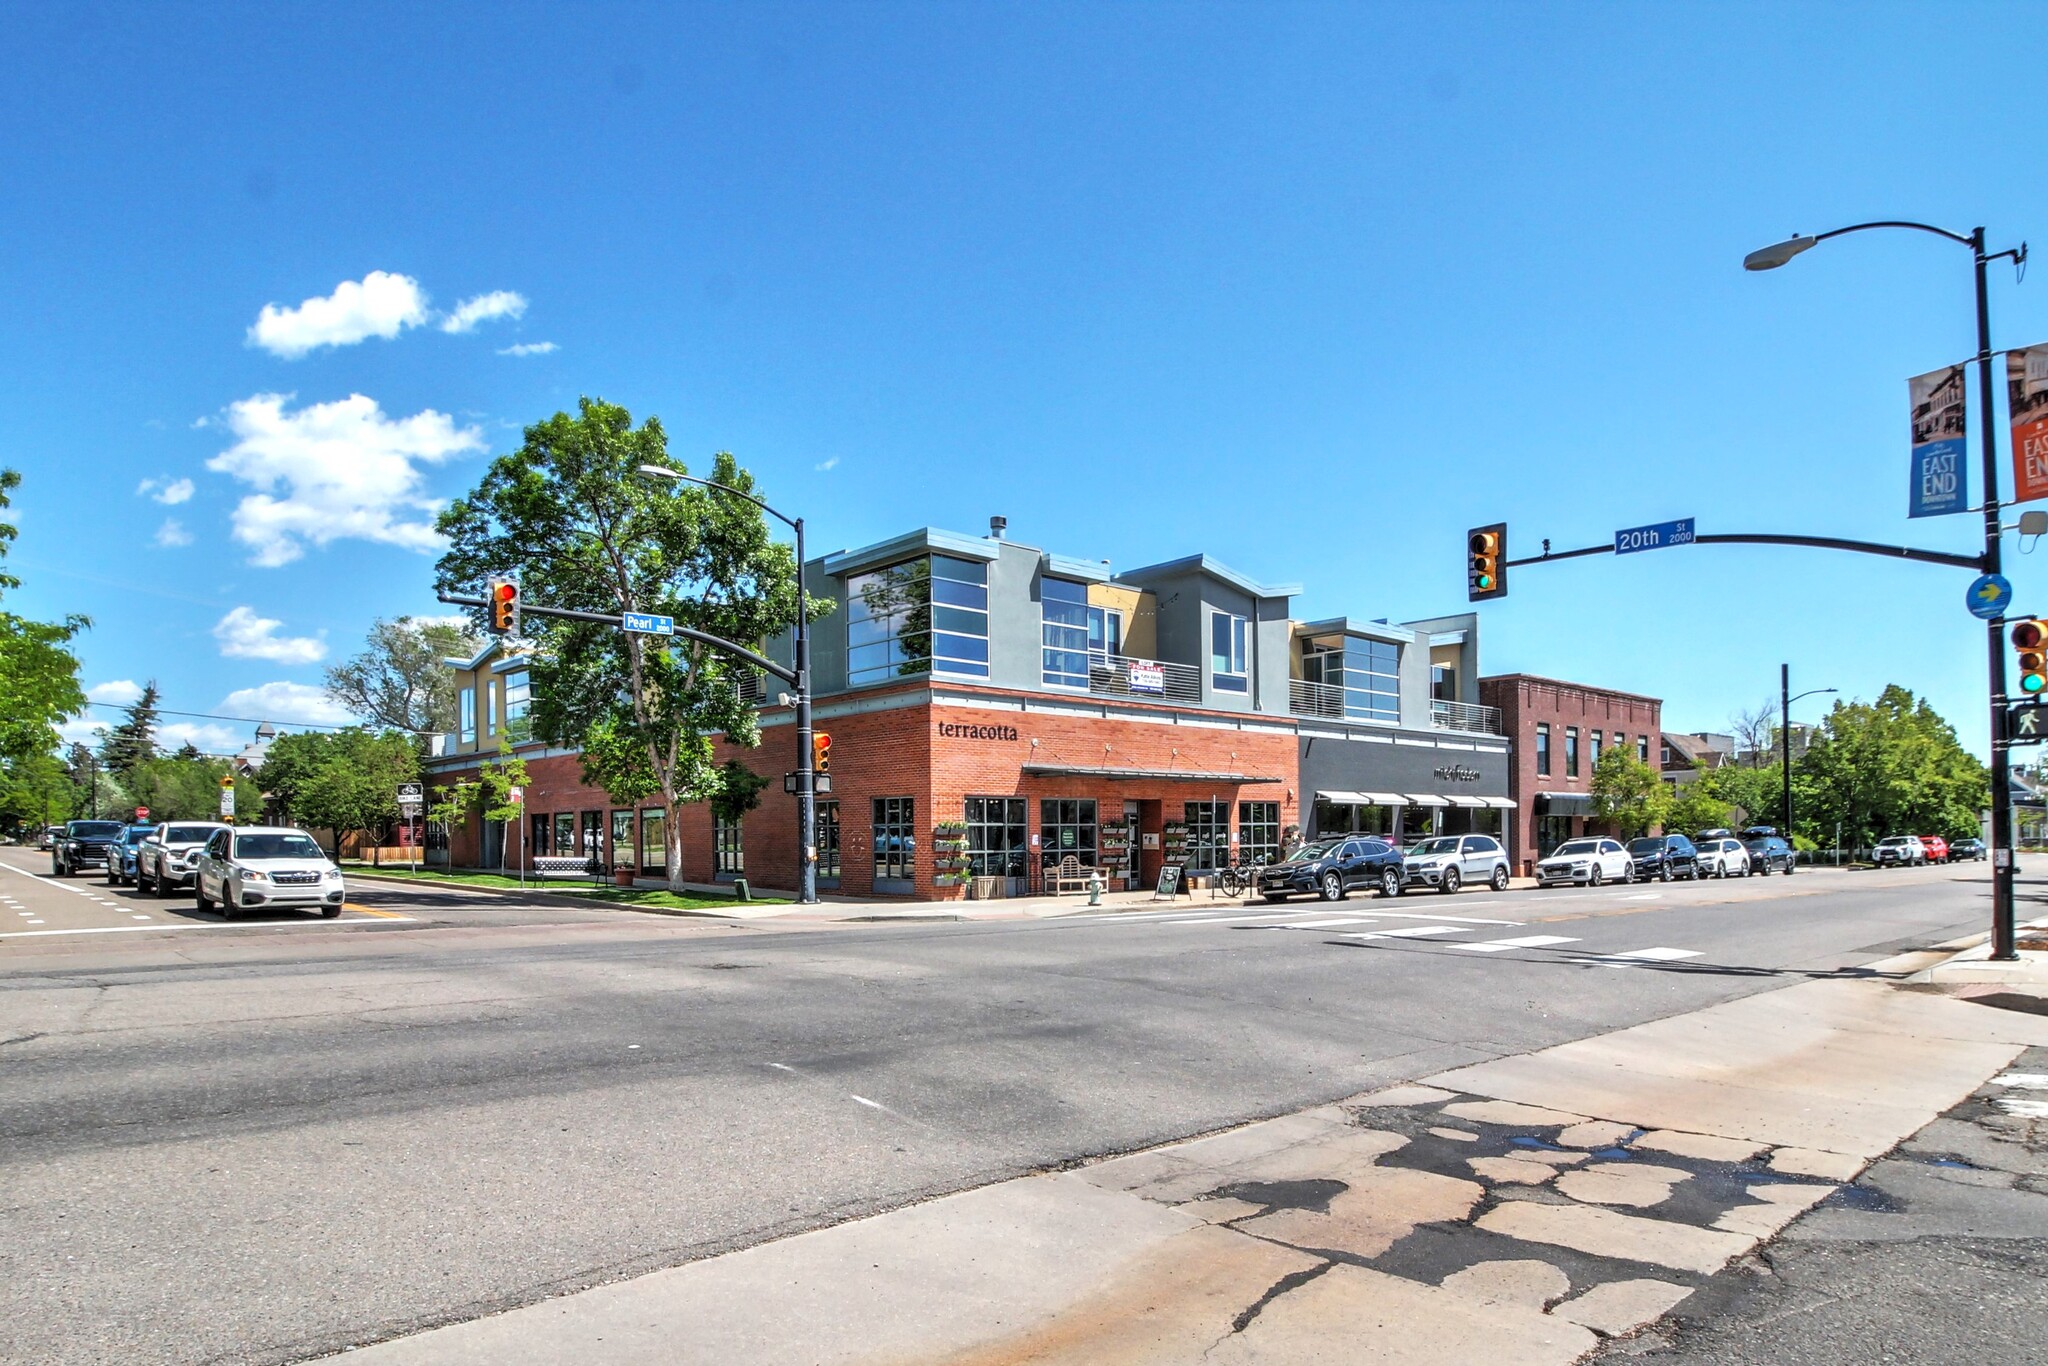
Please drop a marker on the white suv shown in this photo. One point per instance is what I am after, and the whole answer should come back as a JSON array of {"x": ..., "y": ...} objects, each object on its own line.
[
  {"x": 266, "y": 865},
  {"x": 1899, "y": 851},
  {"x": 163, "y": 861},
  {"x": 1721, "y": 856},
  {"x": 1592, "y": 860},
  {"x": 1448, "y": 862}
]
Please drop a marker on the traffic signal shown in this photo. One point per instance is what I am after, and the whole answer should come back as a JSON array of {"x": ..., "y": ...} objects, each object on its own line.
[
  {"x": 226, "y": 780},
  {"x": 503, "y": 596},
  {"x": 1486, "y": 550},
  {"x": 821, "y": 752},
  {"x": 2030, "y": 638}
]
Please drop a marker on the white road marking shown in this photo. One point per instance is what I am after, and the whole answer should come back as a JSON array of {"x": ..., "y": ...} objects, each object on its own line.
[
  {"x": 871, "y": 1104},
  {"x": 2023, "y": 1109},
  {"x": 1534, "y": 941},
  {"x": 138, "y": 916},
  {"x": 1454, "y": 919},
  {"x": 782, "y": 1067},
  {"x": 1653, "y": 955},
  {"x": 202, "y": 925},
  {"x": 1324, "y": 924},
  {"x": 1414, "y": 932},
  {"x": 2025, "y": 1081}
]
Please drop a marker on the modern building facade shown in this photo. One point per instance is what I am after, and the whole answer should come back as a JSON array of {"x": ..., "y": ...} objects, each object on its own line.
[
  {"x": 996, "y": 710},
  {"x": 1558, "y": 731}
]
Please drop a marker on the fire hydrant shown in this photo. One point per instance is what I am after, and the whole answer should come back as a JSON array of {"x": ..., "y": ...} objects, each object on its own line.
[{"x": 1095, "y": 886}]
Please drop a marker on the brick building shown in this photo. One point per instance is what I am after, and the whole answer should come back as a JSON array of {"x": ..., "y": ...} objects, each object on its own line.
[
  {"x": 994, "y": 709},
  {"x": 1559, "y": 731}
]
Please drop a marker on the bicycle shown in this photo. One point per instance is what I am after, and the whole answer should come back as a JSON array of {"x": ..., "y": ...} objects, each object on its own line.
[{"x": 1237, "y": 879}]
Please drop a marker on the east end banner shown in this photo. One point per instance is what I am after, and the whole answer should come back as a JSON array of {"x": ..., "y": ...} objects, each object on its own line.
[
  {"x": 2026, "y": 390},
  {"x": 1941, "y": 481}
]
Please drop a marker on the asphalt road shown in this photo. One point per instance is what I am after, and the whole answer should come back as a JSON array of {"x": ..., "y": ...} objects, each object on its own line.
[{"x": 269, "y": 1142}]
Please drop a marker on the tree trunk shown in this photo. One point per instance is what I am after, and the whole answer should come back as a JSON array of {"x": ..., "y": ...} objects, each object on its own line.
[{"x": 673, "y": 836}]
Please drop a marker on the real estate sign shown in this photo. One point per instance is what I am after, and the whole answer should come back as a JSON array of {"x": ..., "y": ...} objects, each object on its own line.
[
  {"x": 1941, "y": 479},
  {"x": 2026, "y": 388}
]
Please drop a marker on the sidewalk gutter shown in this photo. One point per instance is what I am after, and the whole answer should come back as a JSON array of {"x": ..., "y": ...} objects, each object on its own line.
[{"x": 1521, "y": 1210}]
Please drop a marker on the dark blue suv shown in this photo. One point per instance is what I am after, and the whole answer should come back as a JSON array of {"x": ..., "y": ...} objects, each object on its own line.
[
  {"x": 1664, "y": 857},
  {"x": 1329, "y": 868}
]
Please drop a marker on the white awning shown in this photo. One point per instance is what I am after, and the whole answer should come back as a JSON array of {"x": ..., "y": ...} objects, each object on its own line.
[
  {"x": 1428, "y": 799},
  {"x": 1385, "y": 799},
  {"x": 1344, "y": 798},
  {"x": 1500, "y": 803},
  {"x": 1457, "y": 800}
]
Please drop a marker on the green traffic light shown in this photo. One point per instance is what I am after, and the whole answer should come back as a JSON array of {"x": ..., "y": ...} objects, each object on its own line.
[
  {"x": 1484, "y": 581},
  {"x": 2033, "y": 682}
]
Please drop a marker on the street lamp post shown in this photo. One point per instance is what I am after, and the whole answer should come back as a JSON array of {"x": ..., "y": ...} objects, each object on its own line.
[
  {"x": 1785, "y": 701},
  {"x": 2003, "y": 945},
  {"x": 806, "y": 779}
]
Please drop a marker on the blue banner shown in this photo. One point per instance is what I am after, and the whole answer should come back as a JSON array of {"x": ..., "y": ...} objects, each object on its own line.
[{"x": 1940, "y": 478}]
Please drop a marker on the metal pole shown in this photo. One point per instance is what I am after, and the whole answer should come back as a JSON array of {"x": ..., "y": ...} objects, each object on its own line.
[
  {"x": 806, "y": 778},
  {"x": 2003, "y": 853},
  {"x": 1785, "y": 741}
]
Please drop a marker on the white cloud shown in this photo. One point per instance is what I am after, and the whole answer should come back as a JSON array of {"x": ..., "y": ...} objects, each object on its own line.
[
  {"x": 119, "y": 691},
  {"x": 529, "y": 349},
  {"x": 499, "y": 303},
  {"x": 345, "y": 469},
  {"x": 83, "y": 731},
  {"x": 244, "y": 635},
  {"x": 824, "y": 465},
  {"x": 209, "y": 737},
  {"x": 170, "y": 493},
  {"x": 172, "y": 534},
  {"x": 379, "y": 305},
  {"x": 285, "y": 704}
]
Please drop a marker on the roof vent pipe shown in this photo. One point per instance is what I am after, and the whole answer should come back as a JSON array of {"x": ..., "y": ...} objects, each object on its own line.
[{"x": 997, "y": 526}]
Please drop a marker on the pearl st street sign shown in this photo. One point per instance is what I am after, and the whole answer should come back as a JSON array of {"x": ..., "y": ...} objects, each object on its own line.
[
  {"x": 647, "y": 623},
  {"x": 1653, "y": 537}
]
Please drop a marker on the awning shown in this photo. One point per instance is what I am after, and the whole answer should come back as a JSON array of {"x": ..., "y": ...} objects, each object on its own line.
[
  {"x": 1457, "y": 800},
  {"x": 1146, "y": 774},
  {"x": 1428, "y": 799},
  {"x": 1500, "y": 803},
  {"x": 1385, "y": 799},
  {"x": 1565, "y": 803},
  {"x": 1362, "y": 798}
]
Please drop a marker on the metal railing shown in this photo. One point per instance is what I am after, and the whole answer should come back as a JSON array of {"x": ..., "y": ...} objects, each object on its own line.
[
  {"x": 1314, "y": 699},
  {"x": 1124, "y": 676},
  {"x": 751, "y": 687},
  {"x": 1466, "y": 716}
]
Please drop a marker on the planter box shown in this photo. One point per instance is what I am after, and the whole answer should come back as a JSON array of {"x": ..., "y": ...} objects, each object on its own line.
[
  {"x": 987, "y": 888},
  {"x": 623, "y": 877}
]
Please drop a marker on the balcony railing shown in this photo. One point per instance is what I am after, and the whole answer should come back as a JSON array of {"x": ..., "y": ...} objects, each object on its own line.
[
  {"x": 752, "y": 687},
  {"x": 1315, "y": 699},
  {"x": 1146, "y": 679},
  {"x": 1465, "y": 716}
]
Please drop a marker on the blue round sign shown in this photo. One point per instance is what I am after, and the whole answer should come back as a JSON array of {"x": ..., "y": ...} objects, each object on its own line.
[{"x": 1989, "y": 596}]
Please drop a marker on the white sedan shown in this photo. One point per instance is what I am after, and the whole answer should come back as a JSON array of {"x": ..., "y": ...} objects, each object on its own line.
[
  {"x": 1591, "y": 861},
  {"x": 1722, "y": 858},
  {"x": 265, "y": 866}
]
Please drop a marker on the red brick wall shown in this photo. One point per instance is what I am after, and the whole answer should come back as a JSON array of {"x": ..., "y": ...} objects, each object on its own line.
[{"x": 1525, "y": 702}]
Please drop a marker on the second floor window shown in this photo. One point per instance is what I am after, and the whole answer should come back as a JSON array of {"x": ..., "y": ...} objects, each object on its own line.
[
  {"x": 1571, "y": 751},
  {"x": 1228, "y": 670},
  {"x": 1595, "y": 755},
  {"x": 1643, "y": 748},
  {"x": 1443, "y": 683},
  {"x": 518, "y": 699},
  {"x": 1543, "y": 750},
  {"x": 1064, "y": 614},
  {"x": 1105, "y": 634},
  {"x": 465, "y": 703},
  {"x": 927, "y": 615}
]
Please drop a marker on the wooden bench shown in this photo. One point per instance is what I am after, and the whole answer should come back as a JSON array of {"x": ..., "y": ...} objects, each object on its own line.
[{"x": 1070, "y": 876}]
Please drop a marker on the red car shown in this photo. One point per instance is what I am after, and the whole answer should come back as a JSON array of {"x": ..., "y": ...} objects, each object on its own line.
[{"x": 1937, "y": 848}]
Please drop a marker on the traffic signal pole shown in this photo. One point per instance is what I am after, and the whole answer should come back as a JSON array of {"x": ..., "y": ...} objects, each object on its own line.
[
  {"x": 806, "y": 773},
  {"x": 2004, "y": 942}
]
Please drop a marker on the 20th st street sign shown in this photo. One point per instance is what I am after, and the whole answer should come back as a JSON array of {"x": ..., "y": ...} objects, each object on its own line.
[
  {"x": 1653, "y": 537},
  {"x": 2026, "y": 723}
]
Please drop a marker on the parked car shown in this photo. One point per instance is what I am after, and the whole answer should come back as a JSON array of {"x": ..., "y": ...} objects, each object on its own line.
[
  {"x": 83, "y": 844},
  {"x": 1721, "y": 855},
  {"x": 1768, "y": 851},
  {"x": 1593, "y": 860},
  {"x": 1664, "y": 857},
  {"x": 48, "y": 839},
  {"x": 163, "y": 862},
  {"x": 1899, "y": 851},
  {"x": 1449, "y": 862},
  {"x": 265, "y": 865},
  {"x": 1970, "y": 850},
  {"x": 1936, "y": 847},
  {"x": 121, "y": 853},
  {"x": 1332, "y": 867}
]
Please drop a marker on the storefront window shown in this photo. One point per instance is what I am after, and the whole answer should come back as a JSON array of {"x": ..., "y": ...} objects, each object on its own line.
[
  {"x": 1258, "y": 832},
  {"x": 997, "y": 839},
  {"x": 1064, "y": 613},
  {"x": 1347, "y": 818},
  {"x": 895, "y": 820},
  {"x": 653, "y": 839},
  {"x": 1208, "y": 846},
  {"x": 537, "y": 835},
  {"x": 622, "y": 838},
  {"x": 565, "y": 832},
  {"x": 925, "y": 615},
  {"x": 728, "y": 853},
  {"x": 1551, "y": 831},
  {"x": 1066, "y": 826},
  {"x": 1543, "y": 750},
  {"x": 1228, "y": 670},
  {"x": 593, "y": 832},
  {"x": 828, "y": 842}
]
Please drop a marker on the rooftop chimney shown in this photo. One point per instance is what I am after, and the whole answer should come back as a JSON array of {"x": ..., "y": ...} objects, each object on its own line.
[{"x": 996, "y": 527}]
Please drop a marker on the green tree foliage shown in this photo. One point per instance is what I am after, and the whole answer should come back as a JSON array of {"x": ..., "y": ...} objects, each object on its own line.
[
  {"x": 739, "y": 791},
  {"x": 399, "y": 680},
  {"x": 345, "y": 781},
  {"x": 1627, "y": 792},
  {"x": 133, "y": 741},
  {"x": 38, "y": 689},
  {"x": 1887, "y": 767},
  {"x": 176, "y": 788},
  {"x": 585, "y": 530},
  {"x": 35, "y": 791},
  {"x": 1692, "y": 807},
  {"x": 1754, "y": 796}
]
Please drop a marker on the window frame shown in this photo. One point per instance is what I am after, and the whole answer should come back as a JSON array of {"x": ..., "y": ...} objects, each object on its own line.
[
  {"x": 1258, "y": 832},
  {"x": 1571, "y": 751},
  {"x": 728, "y": 847},
  {"x": 1236, "y": 651},
  {"x": 1543, "y": 749},
  {"x": 1063, "y": 655}
]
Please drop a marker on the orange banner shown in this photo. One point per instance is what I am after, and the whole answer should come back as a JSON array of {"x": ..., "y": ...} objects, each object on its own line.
[{"x": 2026, "y": 387}]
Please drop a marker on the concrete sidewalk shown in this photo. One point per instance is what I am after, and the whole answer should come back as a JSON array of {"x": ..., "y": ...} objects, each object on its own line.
[{"x": 1521, "y": 1209}]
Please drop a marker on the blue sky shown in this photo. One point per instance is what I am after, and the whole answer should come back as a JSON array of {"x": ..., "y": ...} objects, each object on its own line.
[{"x": 1311, "y": 288}]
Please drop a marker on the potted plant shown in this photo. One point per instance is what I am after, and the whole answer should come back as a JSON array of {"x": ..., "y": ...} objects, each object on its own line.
[{"x": 623, "y": 874}]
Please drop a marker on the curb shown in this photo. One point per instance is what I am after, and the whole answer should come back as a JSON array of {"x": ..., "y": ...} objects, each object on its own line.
[{"x": 565, "y": 899}]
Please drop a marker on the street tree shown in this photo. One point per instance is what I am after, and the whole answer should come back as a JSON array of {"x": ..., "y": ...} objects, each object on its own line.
[
  {"x": 1628, "y": 793},
  {"x": 175, "y": 787},
  {"x": 399, "y": 679},
  {"x": 133, "y": 740},
  {"x": 1893, "y": 766},
  {"x": 570, "y": 512},
  {"x": 355, "y": 785},
  {"x": 1756, "y": 732},
  {"x": 1693, "y": 807},
  {"x": 1754, "y": 796}
]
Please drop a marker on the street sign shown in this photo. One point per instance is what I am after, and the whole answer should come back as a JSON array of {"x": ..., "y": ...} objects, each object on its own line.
[
  {"x": 141, "y": 813},
  {"x": 648, "y": 624},
  {"x": 411, "y": 792},
  {"x": 227, "y": 797},
  {"x": 1989, "y": 596},
  {"x": 515, "y": 796},
  {"x": 2026, "y": 723},
  {"x": 1653, "y": 537}
]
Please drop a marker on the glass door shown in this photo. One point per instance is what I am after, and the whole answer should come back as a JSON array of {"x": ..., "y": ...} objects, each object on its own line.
[{"x": 999, "y": 841}]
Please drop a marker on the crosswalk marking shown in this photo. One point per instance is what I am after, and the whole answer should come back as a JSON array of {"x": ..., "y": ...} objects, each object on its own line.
[
  {"x": 1325, "y": 924},
  {"x": 1659, "y": 955},
  {"x": 1414, "y": 932},
  {"x": 1534, "y": 941}
]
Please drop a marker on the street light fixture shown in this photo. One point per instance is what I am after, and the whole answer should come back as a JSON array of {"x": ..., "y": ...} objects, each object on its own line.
[
  {"x": 1785, "y": 739},
  {"x": 806, "y": 781},
  {"x": 2004, "y": 947}
]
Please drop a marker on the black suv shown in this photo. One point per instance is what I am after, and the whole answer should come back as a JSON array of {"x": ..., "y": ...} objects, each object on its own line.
[
  {"x": 1664, "y": 857},
  {"x": 1331, "y": 867},
  {"x": 84, "y": 844},
  {"x": 1768, "y": 850}
]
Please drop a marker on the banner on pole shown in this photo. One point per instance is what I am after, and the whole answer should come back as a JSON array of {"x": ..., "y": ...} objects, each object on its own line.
[
  {"x": 2026, "y": 390},
  {"x": 1941, "y": 479}
]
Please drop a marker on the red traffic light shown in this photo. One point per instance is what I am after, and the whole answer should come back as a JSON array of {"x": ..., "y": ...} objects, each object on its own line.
[{"x": 503, "y": 596}]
